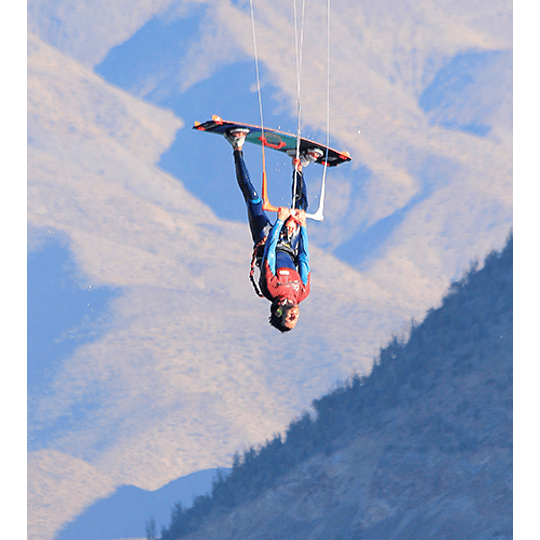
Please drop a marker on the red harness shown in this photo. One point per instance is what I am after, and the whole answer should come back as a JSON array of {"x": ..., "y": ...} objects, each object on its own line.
[{"x": 257, "y": 253}]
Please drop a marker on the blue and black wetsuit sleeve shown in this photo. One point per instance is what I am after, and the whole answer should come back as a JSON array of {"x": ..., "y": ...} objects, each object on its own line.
[
  {"x": 303, "y": 256},
  {"x": 270, "y": 246}
]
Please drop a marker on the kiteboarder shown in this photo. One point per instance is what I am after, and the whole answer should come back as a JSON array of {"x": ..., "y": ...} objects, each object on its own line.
[{"x": 280, "y": 249}]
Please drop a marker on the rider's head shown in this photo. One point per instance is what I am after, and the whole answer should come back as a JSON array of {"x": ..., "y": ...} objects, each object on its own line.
[{"x": 284, "y": 315}]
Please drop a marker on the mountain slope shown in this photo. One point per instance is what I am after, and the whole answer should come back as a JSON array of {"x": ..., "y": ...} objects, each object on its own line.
[{"x": 421, "y": 448}]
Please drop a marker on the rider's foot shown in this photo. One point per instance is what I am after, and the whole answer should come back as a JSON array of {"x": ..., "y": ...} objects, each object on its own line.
[
  {"x": 311, "y": 155},
  {"x": 308, "y": 156},
  {"x": 237, "y": 137}
]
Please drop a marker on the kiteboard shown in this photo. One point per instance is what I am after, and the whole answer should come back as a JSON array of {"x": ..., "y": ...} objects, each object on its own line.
[{"x": 275, "y": 139}]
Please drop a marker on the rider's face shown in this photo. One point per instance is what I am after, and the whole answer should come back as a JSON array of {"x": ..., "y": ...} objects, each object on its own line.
[{"x": 291, "y": 318}]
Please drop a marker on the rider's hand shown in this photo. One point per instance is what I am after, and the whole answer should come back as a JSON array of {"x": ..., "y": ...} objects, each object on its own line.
[
  {"x": 283, "y": 213},
  {"x": 291, "y": 225},
  {"x": 301, "y": 217}
]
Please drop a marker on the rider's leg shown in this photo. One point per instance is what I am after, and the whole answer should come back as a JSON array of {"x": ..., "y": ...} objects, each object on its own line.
[
  {"x": 259, "y": 223},
  {"x": 299, "y": 191}
]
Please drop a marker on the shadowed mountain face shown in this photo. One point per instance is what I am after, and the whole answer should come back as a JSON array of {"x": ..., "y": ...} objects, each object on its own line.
[
  {"x": 63, "y": 314},
  {"x": 129, "y": 510},
  {"x": 420, "y": 448}
]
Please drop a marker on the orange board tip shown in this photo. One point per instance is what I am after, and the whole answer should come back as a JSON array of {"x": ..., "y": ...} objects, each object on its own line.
[{"x": 197, "y": 124}]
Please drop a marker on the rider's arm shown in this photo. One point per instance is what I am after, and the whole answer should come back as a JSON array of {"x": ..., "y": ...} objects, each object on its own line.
[
  {"x": 270, "y": 246},
  {"x": 303, "y": 255}
]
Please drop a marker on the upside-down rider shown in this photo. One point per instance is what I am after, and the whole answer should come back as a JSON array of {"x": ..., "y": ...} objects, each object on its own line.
[{"x": 280, "y": 250}]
